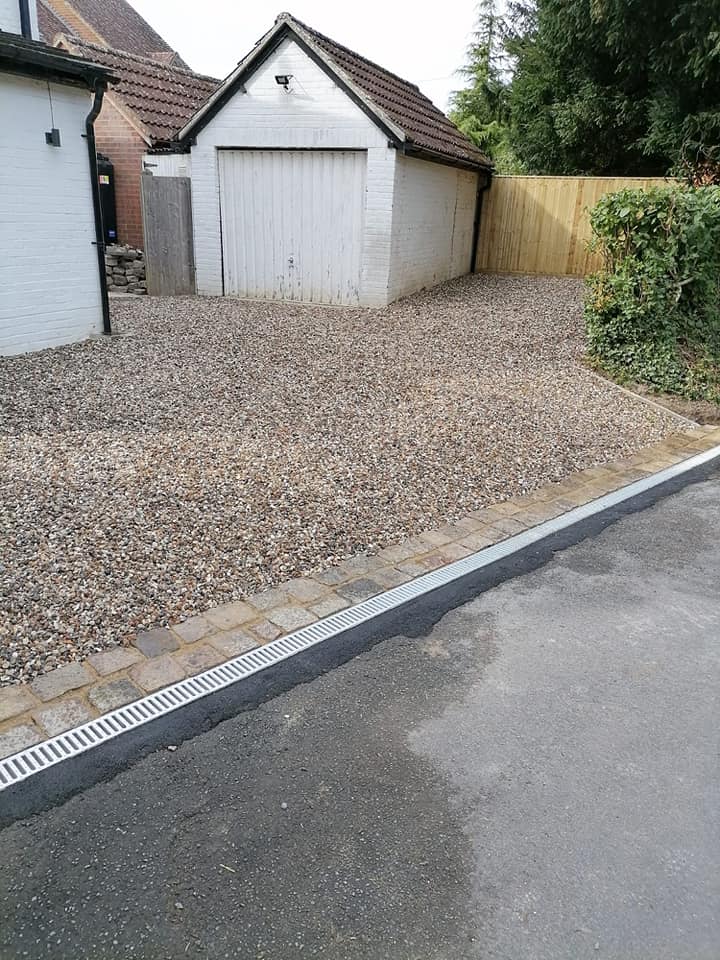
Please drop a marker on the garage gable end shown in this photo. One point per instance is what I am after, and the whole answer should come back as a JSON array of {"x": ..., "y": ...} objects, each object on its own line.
[
  {"x": 406, "y": 117},
  {"x": 311, "y": 112},
  {"x": 269, "y": 53}
]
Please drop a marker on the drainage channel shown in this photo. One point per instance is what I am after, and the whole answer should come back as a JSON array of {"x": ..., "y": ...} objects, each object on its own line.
[{"x": 27, "y": 764}]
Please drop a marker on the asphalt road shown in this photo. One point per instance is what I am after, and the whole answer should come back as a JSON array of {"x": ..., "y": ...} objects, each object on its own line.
[{"x": 535, "y": 779}]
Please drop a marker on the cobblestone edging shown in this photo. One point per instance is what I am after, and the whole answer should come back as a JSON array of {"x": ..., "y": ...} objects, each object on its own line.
[{"x": 78, "y": 692}]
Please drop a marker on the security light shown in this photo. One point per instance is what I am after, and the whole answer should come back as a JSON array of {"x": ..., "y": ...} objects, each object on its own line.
[{"x": 283, "y": 79}]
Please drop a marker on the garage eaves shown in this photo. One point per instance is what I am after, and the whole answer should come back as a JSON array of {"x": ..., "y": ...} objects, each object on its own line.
[{"x": 412, "y": 123}]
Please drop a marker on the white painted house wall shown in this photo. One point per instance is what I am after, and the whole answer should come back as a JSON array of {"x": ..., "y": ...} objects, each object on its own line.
[
  {"x": 10, "y": 17},
  {"x": 432, "y": 228},
  {"x": 315, "y": 113},
  {"x": 49, "y": 283}
]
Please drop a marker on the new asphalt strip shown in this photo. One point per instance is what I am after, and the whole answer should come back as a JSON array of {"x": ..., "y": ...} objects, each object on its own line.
[{"x": 522, "y": 765}]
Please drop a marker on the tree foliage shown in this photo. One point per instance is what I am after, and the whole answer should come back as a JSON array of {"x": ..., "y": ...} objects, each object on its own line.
[
  {"x": 481, "y": 109},
  {"x": 619, "y": 87}
]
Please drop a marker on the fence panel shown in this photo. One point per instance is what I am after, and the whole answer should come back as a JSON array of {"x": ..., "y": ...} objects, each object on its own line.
[
  {"x": 541, "y": 224},
  {"x": 167, "y": 220}
]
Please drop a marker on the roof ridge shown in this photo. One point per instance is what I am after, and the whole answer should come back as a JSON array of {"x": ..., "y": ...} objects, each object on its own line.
[
  {"x": 397, "y": 106},
  {"x": 289, "y": 18},
  {"x": 150, "y": 61},
  {"x": 401, "y": 101}
]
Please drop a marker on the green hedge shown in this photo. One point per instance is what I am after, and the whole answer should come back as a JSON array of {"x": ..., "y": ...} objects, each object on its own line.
[{"x": 653, "y": 311}]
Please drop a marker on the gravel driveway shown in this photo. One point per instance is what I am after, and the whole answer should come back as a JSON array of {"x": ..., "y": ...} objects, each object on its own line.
[{"x": 220, "y": 446}]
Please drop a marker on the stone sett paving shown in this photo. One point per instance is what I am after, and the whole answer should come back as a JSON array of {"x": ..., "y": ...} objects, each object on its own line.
[{"x": 77, "y": 692}]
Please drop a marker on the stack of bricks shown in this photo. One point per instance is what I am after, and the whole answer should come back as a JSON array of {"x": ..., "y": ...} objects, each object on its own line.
[{"x": 125, "y": 270}]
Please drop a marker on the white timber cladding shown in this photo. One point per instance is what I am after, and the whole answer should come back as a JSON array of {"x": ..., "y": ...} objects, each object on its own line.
[
  {"x": 10, "y": 17},
  {"x": 315, "y": 201},
  {"x": 167, "y": 164},
  {"x": 432, "y": 228},
  {"x": 313, "y": 113},
  {"x": 49, "y": 283}
]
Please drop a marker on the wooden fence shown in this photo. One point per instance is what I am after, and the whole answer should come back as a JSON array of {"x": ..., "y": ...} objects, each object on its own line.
[
  {"x": 167, "y": 222},
  {"x": 541, "y": 225}
]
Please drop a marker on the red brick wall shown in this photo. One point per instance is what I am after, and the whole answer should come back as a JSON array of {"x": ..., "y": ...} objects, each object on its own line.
[{"x": 124, "y": 146}]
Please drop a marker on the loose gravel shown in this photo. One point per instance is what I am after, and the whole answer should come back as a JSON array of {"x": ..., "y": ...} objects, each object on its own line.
[{"x": 219, "y": 446}]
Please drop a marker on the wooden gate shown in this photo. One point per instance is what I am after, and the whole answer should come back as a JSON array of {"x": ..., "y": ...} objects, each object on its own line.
[{"x": 167, "y": 221}]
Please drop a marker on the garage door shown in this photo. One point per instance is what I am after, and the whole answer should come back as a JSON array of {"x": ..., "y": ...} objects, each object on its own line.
[{"x": 292, "y": 223}]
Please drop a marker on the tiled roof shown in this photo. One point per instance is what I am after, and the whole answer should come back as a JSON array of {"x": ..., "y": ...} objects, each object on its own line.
[
  {"x": 401, "y": 101},
  {"x": 162, "y": 97},
  {"x": 50, "y": 23},
  {"x": 116, "y": 21}
]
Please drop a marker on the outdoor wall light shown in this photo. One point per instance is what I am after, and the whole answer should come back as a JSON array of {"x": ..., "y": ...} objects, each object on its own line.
[{"x": 283, "y": 80}]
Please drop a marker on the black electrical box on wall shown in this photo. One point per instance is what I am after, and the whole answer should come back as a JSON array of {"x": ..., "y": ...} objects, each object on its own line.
[{"x": 106, "y": 177}]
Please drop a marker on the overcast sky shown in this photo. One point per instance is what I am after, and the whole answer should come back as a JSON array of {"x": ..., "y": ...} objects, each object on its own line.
[{"x": 426, "y": 48}]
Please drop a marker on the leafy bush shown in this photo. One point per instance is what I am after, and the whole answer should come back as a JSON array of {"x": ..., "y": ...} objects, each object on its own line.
[{"x": 653, "y": 311}]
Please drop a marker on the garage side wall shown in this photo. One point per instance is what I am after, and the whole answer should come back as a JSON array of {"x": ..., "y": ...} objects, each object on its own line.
[
  {"x": 313, "y": 114},
  {"x": 432, "y": 229},
  {"x": 48, "y": 263}
]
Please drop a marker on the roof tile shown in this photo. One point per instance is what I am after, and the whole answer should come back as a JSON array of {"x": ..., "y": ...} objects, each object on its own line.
[
  {"x": 162, "y": 97},
  {"x": 115, "y": 21},
  {"x": 50, "y": 23},
  {"x": 400, "y": 100}
]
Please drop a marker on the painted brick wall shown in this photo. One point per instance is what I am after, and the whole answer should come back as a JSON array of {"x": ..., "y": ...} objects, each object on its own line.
[
  {"x": 120, "y": 141},
  {"x": 433, "y": 214},
  {"x": 10, "y": 17},
  {"x": 48, "y": 264},
  {"x": 375, "y": 278},
  {"x": 206, "y": 220},
  {"x": 315, "y": 113}
]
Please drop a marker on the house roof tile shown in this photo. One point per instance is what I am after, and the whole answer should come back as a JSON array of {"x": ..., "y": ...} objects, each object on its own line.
[
  {"x": 403, "y": 102},
  {"x": 410, "y": 118},
  {"x": 50, "y": 23},
  {"x": 162, "y": 97},
  {"x": 116, "y": 21}
]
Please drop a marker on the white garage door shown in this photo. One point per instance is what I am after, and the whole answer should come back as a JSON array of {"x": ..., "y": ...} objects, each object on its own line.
[{"x": 292, "y": 223}]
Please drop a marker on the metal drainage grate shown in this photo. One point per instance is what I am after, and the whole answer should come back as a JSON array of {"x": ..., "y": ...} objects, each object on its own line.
[{"x": 22, "y": 765}]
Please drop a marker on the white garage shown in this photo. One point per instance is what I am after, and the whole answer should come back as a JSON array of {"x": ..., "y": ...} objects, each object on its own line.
[{"x": 318, "y": 176}]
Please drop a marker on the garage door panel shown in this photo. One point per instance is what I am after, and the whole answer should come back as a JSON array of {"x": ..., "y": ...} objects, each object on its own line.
[{"x": 292, "y": 223}]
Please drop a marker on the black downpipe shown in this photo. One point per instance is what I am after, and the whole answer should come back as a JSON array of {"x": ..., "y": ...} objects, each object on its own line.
[
  {"x": 98, "y": 90},
  {"x": 485, "y": 180},
  {"x": 25, "y": 24}
]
